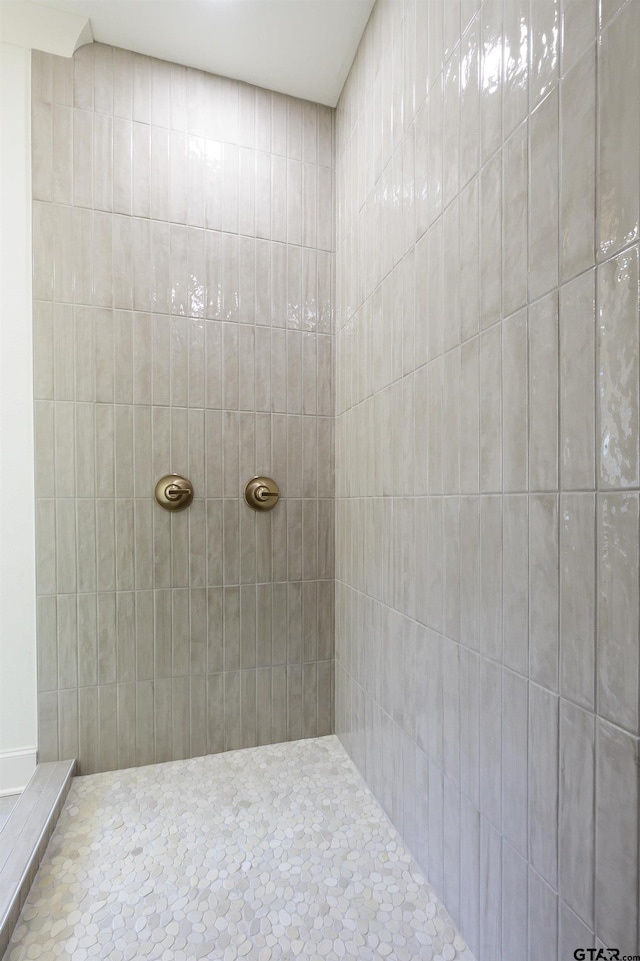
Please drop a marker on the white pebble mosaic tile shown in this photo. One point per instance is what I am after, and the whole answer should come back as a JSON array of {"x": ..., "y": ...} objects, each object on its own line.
[{"x": 274, "y": 852}]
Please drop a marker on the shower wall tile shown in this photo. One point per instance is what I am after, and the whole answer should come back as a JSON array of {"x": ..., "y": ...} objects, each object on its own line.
[
  {"x": 616, "y": 876},
  {"x": 619, "y": 142},
  {"x": 167, "y": 338},
  {"x": 618, "y": 368},
  {"x": 578, "y": 165},
  {"x": 493, "y": 168}
]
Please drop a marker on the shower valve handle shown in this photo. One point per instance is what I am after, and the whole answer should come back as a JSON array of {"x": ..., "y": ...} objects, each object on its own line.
[
  {"x": 262, "y": 493},
  {"x": 174, "y": 492}
]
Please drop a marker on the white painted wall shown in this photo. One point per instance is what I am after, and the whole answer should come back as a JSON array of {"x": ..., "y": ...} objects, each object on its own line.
[
  {"x": 23, "y": 26},
  {"x": 18, "y": 731}
]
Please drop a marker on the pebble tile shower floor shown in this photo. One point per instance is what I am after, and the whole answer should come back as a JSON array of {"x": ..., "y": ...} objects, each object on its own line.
[{"x": 272, "y": 852}]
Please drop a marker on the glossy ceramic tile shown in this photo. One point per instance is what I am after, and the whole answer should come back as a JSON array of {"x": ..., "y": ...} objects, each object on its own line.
[
  {"x": 617, "y": 360},
  {"x": 161, "y": 344},
  {"x": 619, "y": 143},
  {"x": 513, "y": 514}
]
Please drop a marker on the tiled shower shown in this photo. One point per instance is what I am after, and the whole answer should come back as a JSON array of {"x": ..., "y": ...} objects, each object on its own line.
[
  {"x": 449, "y": 264},
  {"x": 183, "y": 269}
]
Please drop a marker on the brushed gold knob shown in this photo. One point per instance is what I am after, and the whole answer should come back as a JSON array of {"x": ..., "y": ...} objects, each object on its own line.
[
  {"x": 174, "y": 492},
  {"x": 262, "y": 493}
]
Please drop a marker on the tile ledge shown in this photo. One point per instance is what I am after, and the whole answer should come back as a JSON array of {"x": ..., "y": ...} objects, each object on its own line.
[{"x": 25, "y": 836}]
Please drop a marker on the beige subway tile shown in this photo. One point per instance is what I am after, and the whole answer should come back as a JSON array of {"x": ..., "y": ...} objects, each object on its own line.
[
  {"x": 469, "y": 870},
  {"x": 491, "y": 544},
  {"x": 144, "y": 723},
  {"x": 214, "y": 536},
  {"x": 215, "y": 713},
  {"x": 491, "y": 246},
  {"x": 125, "y": 545},
  {"x": 544, "y": 48},
  {"x": 490, "y": 712},
  {"x": 514, "y": 904},
  {"x": 47, "y": 647},
  {"x": 232, "y": 711},
  {"x": 619, "y": 133},
  {"x": 86, "y": 544},
  {"x": 543, "y": 394},
  {"x": 295, "y": 721},
  {"x": 515, "y": 77},
  {"x": 451, "y": 128},
  {"x": 248, "y": 717},
  {"x": 42, "y": 76},
  {"x": 48, "y": 726},
  {"x": 577, "y": 383},
  {"x": 179, "y": 550},
  {"x": 43, "y": 339},
  {"x": 45, "y": 546},
  {"x": 618, "y": 605},
  {"x": 543, "y": 918},
  {"x": 469, "y": 268},
  {"x": 145, "y": 171},
  {"x": 102, "y": 162},
  {"x": 469, "y": 572},
  {"x": 122, "y": 167},
  {"x": 68, "y": 733},
  {"x": 63, "y": 242},
  {"x": 126, "y": 631},
  {"x": 469, "y": 422},
  {"x": 107, "y": 638},
  {"x": 122, "y": 83},
  {"x": 576, "y": 826},
  {"x": 490, "y": 410},
  {"x": 126, "y": 707},
  {"x": 44, "y": 232},
  {"x": 491, "y": 77},
  {"x": 65, "y": 545},
  {"x": 515, "y": 574},
  {"x": 543, "y": 782},
  {"x": 543, "y": 590},
  {"x": 102, "y": 260},
  {"x": 88, "y": 730},
  {"x": 616, "y": 826},
  {"x": 514, "y": 402},
  {"x": 617, "y": 359},
  {"x": 514, "y": 219},
  {"x": 122, "y": 262},
  {"x": 231, "y": 542},
  {"x": 179, "y": 629},
  {"x": 163, "y": 712},
  {"x": 141, "y": 88},
  {"x": 83, "y": 161},
  {"x": 82, "y": 239},
  {"x": 42, "y": 150},
  {"x": 87, "y": 640},
  {"x": 105, "y": 545},
  {"x": 572, "y": 931},
  {"x": 515, "y": 730},
  {"x": 543, "y": 196},
  {"x": 144, "y": 635},
  {"x": 578, "y": 158},
  {"x": 579, "y": 25},
  {"x": 83, "y": 78},
  {"x": 44, "y": 440}
]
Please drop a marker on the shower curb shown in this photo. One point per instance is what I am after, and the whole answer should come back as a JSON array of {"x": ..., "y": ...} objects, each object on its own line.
[{"x": 25, "y": 836}]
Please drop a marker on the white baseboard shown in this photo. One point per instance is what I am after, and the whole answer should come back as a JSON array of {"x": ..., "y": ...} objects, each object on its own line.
[{"x": 16, "y": 768}]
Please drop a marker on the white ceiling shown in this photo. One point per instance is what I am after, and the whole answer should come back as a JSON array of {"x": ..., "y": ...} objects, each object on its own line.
[{"x": 299, "y": 47}]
